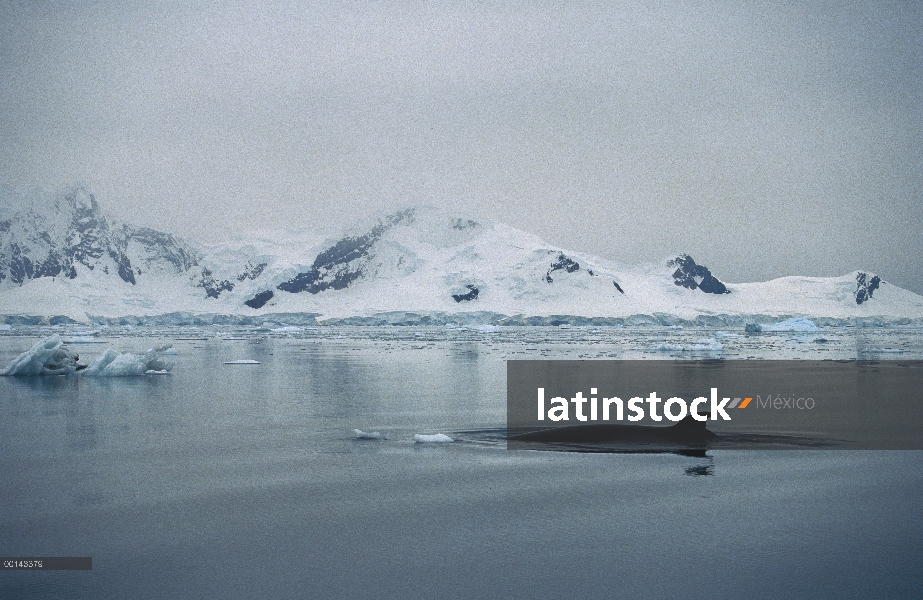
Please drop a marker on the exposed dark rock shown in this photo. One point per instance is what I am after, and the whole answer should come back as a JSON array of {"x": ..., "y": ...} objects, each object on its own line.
[
  {"x": 617, "y": 286},
  {"x": 20, "y": 266},
  {"x": 866, "y": 284},
  {"x": 471, "y": 295},
  {"x": 124, "y": 265},
  {"x": 463, "y": 224},
  {"x": 213, "y": 287},
  {"x": 344, "y": 262},
  {"x": 251, "y": 271},
  {"x": 562, "y": 263},
  {"x": 160, "y": 247},
  {"x": 692, "y": 276},
  {"x": 50, "y": 267},
  {"x": 260, "y": 299}
]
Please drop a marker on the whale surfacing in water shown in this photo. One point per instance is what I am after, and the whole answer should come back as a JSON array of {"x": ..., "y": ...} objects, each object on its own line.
[{"x": 687, "y": 431}]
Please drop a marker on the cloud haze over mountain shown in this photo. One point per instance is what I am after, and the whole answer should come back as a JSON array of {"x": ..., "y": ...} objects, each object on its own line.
[{"x": 764, "y": 140}]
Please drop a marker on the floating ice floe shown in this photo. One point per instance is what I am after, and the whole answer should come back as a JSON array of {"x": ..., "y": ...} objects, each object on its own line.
[
  {"x": 797, "y": 324},
  {"x": 84, "y": 340},
  {"x": 5, "y": 326},
  {"x": 438, "y": 438},
  {"x": 365, "y": 435},
  {"x": 245, "y": 361},
  {"x": 702, "y": 345},
  {"x": 51, "y": 357}
]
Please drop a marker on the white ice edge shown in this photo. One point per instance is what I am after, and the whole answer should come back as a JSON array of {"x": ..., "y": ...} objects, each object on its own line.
[{"x": 437, "y": 438}]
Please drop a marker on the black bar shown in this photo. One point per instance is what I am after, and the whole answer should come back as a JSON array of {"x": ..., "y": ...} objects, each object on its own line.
[{"x": 46, "y": 563}]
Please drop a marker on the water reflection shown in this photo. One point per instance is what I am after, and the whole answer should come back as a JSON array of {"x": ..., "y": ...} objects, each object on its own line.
[
  {"x": 700, "y": 470},
  {"x": 81, "y": 424}
]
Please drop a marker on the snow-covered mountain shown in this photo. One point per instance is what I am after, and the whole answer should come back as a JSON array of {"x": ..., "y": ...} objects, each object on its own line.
[
  {"x": 59, "y": 255},
  {"x": 55, "y": 236}
]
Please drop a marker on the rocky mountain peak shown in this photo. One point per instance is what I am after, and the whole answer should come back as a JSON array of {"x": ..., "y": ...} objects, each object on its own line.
[{"x": 692, "y": 276}]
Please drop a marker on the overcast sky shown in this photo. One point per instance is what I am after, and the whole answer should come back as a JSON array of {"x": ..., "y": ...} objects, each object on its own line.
[{"x": 764, "y": 139}]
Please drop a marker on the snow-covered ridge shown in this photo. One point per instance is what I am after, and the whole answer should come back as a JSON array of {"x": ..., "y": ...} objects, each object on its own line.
[
  {"x": 58, "y": 235},
  {"x": 63, "y": 258}
]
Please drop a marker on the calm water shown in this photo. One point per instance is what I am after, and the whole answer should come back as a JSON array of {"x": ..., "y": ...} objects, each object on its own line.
[{"x": 244, "y": 481}]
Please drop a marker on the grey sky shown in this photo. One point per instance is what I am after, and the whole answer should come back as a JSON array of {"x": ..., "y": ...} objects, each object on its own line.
[{"x": 765, "y": 139}]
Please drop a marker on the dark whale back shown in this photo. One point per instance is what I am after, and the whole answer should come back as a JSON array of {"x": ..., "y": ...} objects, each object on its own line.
[{"x": 688, "y": 430}]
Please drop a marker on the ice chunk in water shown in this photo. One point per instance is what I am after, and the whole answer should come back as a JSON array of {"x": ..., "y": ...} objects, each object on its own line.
[
  {"x": 51, "y": 357},
  {"x": 47, "y": 357},
  {"x": 365, "y": 435},
  {"x": 797, "y": 324},
  {"x": 701, "y": 345},
  {"x": 112, "y": 363},
  {"x": 438, "y": 438}
]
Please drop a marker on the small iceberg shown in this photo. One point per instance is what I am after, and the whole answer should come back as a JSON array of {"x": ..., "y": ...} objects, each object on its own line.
[
  {"x": 112, "y": 363},
  {"x": 438, "y": 438},
  {"x": 51, "y": 357},
  {"x": 245, "y": 361},
  {"x": 47, "y": 357},
  {"x": 365, "y": 435}
]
